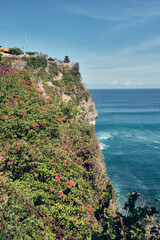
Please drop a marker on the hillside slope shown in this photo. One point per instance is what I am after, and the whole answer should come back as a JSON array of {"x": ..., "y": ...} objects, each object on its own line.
[
  {"x": 52, "y": 171},
  {"x": 53, "y": 181}
]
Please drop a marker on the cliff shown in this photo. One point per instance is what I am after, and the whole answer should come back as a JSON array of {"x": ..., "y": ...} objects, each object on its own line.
[
  {"x": 53, "y": 181},
  {"x": 53, "y": 177}
]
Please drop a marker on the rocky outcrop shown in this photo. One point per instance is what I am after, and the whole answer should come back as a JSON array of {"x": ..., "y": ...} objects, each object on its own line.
[
  {"x": 19, "y": 64},
  {"x": 90, "y": 110}
]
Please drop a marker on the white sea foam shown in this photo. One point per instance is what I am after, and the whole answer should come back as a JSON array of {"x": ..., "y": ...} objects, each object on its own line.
[
  {"x": 104, "y": 136},
  {"x": 103, "y": 146},
  {"x": 157, "y": 147}
]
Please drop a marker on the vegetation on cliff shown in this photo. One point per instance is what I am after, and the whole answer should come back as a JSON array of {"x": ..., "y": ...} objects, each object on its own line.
[{"x": 52, "y": 174}]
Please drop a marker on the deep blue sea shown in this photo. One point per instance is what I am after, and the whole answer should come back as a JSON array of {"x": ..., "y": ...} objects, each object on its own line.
[{"x": 128, "y": 129}]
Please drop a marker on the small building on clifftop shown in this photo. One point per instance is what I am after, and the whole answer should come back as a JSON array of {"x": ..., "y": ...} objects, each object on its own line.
[{"x": 66, "y": 59}]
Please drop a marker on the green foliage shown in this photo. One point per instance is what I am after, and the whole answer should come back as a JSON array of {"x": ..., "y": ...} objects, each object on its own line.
[
  {"x": 1, "y": 56},
  {"x": 36, "y": 62},
  {"x": 15, "y": 51},
  {"x": 38, "y": 153},
  {"x": 53, "y": 69},
  {"x": 31, "y": 53},
  {"x": 53, "y": 182}
]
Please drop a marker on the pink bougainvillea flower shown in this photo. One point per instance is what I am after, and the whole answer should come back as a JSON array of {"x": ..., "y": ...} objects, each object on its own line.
[
  {"x": 16, "y": 99},
  {"x": 57, "y": 177},
  {"x": 17, "y": 148},
  {"x": 36, "y": 124},
  {"x": 10, "y": 102},
  {"x": 95, "y": 220},
  {"x": 17, "y": 117},
  {"x": 80, "y": 207},
  {"x": 83, "y": 181},
  {"x": 3, "y": 118},
  {"x": 22, "y": 110},
  {"x": 89, "y": 208},
  {"x": 63, "y": 119},
  {"x": 75, "y": 218},
  {"x": 40, "y": 92},
  {"x": 4, "y": 109},
  {"x": 16, "y": 143},
  {"x": 37, "y": 86},
  {"x": 44, "y": 125},
  {"x": 67, "y": 148},
  {"x": 57, "y": 119},
  {"x": 153, "y": 209},
  {"x": 10, "y": 163},
  {"x": 69, "y": 199},
  {"x": 70, "y": 183},
  {"x": 12, "y": 117},
  {"x": 61, "y": 195},
  {"x": 37, "y": 175},
  {"x": 71, "y": 174},
  {"x": 137, "y": 194},
  {"x": 85, "y": 169},
  {"x": 51, "y": 160},
  {"x": 4, "y": 157},
  {"x": 64, "y": 161}
]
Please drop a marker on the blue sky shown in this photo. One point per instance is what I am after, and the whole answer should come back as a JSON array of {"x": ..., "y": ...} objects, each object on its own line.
[{"x": 117, "y": 43}]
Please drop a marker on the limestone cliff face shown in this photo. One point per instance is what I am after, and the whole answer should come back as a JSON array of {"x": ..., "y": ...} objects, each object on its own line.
[
  {"x": 64, "y": 140},
  {"x": 56, "y": 72},
  {"x": 90, "y": 110}
]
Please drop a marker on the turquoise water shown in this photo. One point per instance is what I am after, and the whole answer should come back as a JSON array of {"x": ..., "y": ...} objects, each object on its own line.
[{"x": 128, "y": 129}]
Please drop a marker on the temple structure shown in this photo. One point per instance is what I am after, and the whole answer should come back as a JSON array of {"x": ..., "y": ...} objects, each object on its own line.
[{"x": 66, "y": 59}]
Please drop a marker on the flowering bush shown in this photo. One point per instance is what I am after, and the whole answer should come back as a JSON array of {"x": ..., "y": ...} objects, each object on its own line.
[
  {"x": 39, "y": 164},
  {"x": 53, "y": 183}
]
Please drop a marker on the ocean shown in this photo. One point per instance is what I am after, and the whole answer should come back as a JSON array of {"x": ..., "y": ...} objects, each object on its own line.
[{"x": 128, "y": 130}]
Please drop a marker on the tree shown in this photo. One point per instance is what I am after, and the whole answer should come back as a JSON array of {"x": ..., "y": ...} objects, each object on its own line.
[
  {"x": 31, "y": 53},
  {"x": 15, "y": 51}
]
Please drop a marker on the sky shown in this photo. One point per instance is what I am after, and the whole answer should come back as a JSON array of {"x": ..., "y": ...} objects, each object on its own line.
[{"x": 116, "y": 42}]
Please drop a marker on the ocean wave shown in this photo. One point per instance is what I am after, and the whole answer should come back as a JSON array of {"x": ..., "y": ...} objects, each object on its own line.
[
  {"x": 104, "y": 136},
  {"x": 103, "y": 146}
]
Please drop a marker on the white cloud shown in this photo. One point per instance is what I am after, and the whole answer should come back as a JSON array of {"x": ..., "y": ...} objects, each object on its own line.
[
  {"x": 114, "y": 82},
  {"x": 127, "y": 83},
  {"x": 104, "y": 11}
]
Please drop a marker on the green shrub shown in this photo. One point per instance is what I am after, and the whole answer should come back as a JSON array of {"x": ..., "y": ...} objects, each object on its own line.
[
  {"x": 31, "y": 53},
  {"x": 36, "y": 62},
  {"x": 15, "y": 51},
  {"x": 53, "y": 69}
]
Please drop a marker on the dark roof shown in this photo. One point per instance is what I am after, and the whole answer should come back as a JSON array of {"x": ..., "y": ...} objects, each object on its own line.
[
  {"x": 51, "y": 59},
  {"x": 66, "y": 59}
]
